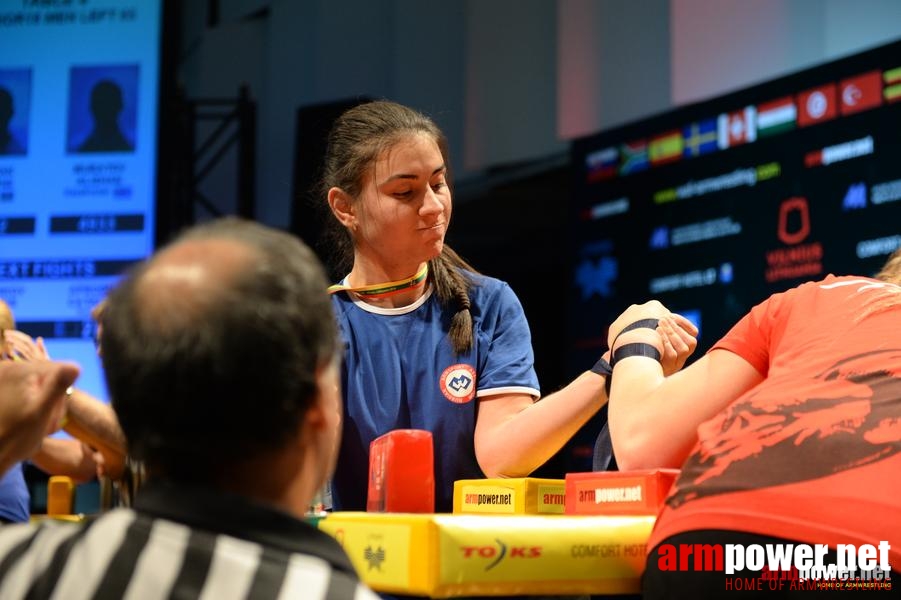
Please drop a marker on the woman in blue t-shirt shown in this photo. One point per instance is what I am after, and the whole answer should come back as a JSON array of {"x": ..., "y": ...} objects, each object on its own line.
[{"x": 430, "y": 343}]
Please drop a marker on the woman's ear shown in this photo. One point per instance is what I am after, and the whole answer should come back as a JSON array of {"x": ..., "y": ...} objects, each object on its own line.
[{"x": 342, "y": 207}]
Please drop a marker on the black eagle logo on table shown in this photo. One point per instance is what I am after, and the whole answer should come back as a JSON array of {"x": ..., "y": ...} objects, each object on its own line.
[{"x": 375, "y": 558}]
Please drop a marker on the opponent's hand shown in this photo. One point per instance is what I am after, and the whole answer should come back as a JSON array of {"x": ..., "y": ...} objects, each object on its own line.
[{"x": 679, "y": 342}]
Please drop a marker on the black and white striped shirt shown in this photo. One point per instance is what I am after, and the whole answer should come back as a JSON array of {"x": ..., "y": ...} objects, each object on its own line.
[{"x": 177, "y": 543}]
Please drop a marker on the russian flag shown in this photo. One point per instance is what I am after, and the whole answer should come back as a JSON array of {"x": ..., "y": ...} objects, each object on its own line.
[{"x": 602, "y": 164}]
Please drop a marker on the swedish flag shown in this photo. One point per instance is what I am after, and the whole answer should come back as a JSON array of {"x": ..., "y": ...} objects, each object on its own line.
[{"x": 699, "y": 138}]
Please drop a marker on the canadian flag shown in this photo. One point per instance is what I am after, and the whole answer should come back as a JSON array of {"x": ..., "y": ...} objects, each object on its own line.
[{"x": 739, "y": 127}]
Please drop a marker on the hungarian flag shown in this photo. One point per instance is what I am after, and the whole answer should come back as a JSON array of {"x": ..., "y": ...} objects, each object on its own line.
[
  {"x": 776, "y": 116},
  {"x": 860, "y": 93},
  {"x": 817, "y": 105},
  {"x": 739, "y": 127}
]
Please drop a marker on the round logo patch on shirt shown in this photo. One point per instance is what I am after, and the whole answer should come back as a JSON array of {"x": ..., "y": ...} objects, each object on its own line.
[{"x": 458, "y": 383}]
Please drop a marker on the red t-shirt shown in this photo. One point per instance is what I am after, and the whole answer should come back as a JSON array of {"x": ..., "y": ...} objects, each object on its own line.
[{"x": 813, "y": 453}]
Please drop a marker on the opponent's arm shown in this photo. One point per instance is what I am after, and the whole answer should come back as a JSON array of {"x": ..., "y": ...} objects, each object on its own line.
[
  {"x": 654, "y": 419},
  {"x": 514, "y": 434}
]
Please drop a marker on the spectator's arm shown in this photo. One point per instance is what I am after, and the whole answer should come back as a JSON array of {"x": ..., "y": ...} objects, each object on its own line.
[
  {"x": 71, "y": 458},
  {"x": 94, "y": 423},
  {"x": 32, "y": 400}
]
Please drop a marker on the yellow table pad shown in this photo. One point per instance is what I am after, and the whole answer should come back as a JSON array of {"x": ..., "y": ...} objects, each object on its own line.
[{"x": 445, "y": 555}]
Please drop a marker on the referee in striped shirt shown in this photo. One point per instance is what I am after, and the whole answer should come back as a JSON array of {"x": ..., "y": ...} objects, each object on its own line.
[{"x": 221, "y": 357}]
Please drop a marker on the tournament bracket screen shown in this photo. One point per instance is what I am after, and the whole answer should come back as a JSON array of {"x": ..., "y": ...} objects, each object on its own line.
[
  {"x": 79, "y": 86},
  {"x": 712, "y": 207}
]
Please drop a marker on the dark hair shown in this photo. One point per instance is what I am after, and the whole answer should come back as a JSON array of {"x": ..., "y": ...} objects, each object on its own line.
[
  {"x": 208, "y": 378},
  {"x": 356, "y": 140}
]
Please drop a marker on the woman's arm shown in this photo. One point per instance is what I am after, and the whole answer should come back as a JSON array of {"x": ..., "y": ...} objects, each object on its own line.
[{"x": 515, "y": 435}]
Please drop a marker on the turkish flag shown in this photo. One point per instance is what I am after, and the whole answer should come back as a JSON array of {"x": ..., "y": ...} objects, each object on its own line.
[{"x": 860, "y": 93}]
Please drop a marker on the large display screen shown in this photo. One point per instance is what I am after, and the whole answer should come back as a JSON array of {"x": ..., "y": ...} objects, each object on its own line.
[
  {"x": 712, "y": 207},
  {"x": 79, "y": 84}
]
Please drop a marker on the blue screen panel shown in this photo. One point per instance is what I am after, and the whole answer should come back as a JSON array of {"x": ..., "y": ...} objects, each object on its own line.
[{"x": 79, "y": 88}]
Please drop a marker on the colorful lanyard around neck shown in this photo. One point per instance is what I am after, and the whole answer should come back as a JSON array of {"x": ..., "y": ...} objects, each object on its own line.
[{"x": 382, "y": 290}]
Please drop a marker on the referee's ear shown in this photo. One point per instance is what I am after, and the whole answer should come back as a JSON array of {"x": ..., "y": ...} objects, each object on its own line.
[{"x": 323, "y": 419}]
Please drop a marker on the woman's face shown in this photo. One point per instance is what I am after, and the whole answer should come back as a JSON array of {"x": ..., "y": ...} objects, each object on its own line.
[{"x": 404, "y": 208}]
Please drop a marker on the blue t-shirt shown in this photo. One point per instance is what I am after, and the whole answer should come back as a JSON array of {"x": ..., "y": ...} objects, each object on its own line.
[
  {"x": 14, "y": 497},
  {"x": 400, "y": 372}
]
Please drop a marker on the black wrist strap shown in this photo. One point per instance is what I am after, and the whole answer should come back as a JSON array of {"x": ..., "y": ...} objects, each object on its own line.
[
  {"x": 646, "y": 323},
  {"x": 640, "y": 324},
  {"x": 602, "y": 367},
  {"x": 634, "y": 349}
]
